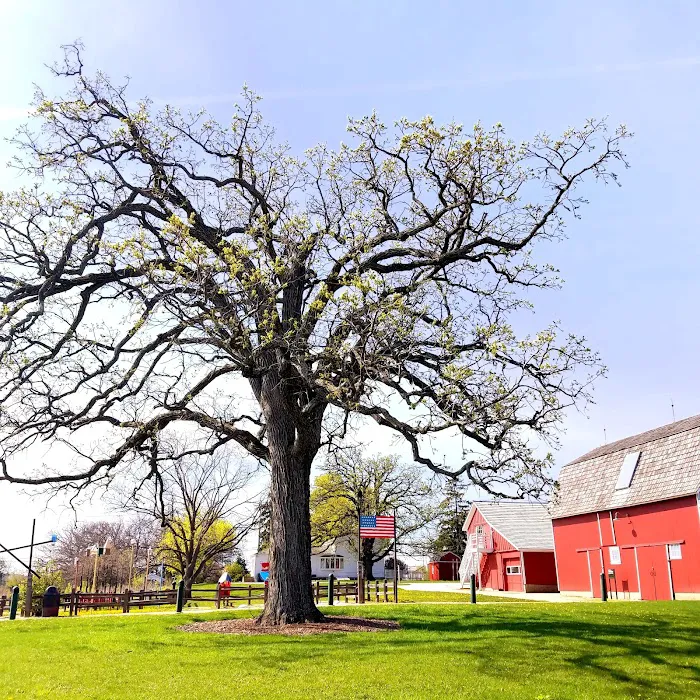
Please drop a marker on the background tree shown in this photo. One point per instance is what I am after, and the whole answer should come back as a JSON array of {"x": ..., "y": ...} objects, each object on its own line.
[
  {"x": 452, "y": 512},
  {"x": 238, "y": 569},
  {"x": 264, "y": 520},
  {"x": 200, "y": 502},
  {"x": 4, "y": 571},
  {"x": 130, "y": 542},
  {"x": 352, "y": 485},
  {"x": 178, "y": 271}
]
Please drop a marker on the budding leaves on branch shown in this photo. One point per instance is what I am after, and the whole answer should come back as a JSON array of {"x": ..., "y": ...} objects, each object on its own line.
[{"x": 174, "y": 263}]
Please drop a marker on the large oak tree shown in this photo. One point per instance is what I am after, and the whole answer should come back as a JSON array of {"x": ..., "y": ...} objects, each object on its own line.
[{"x": 168, "y": 269}]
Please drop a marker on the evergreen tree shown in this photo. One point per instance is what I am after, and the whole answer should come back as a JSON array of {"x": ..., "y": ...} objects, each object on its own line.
[{"x": 453, "y": 510}]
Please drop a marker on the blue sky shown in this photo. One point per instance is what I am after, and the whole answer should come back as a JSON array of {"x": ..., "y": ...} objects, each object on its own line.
[{"x": 629, "y": 264}]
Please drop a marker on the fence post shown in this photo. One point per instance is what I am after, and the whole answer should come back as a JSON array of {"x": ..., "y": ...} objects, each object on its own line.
[
  {"x": 473, "y": 588},
  {"x": 331, "y": 594},
  {"x": 218, "y": 596},
  {"x": 603, "y": 587},
  {"x": 126, "y": 600},
  {"x": 250, "y": 594},
  {"x": 386, "y": 592},
  {"x": 14, "y": 600},
  {"x": 180, "y": 601}
]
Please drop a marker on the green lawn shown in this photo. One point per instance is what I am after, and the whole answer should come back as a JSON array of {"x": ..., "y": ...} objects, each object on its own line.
[
  {"x": 413, "y": 596},
  {"x": 538, "y": 651}
]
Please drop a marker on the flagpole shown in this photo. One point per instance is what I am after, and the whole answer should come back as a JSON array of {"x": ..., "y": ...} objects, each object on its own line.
[
  {"x": 396, "y": 564},
  {"x": 360, "y": 582}
]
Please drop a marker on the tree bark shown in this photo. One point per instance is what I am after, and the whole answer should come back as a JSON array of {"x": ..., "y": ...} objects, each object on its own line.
[
  {"x": 368, "y": 558},
  {"x": 188, "y": 580},
  {"x": 289, "y": 594}
]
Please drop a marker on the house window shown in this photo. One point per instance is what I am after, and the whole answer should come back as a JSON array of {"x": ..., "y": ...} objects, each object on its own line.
[
  {"x": 513, "y": 570},
  {"x": 674, "y": 551},
  {"x": 615, "y": 558},
  {"x": 332, "y": 563},
  {"x": 479, "y": 530}
]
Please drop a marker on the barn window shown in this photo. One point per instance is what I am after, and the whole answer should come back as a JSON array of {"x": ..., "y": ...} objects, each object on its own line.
[
  {"x": 332, "y": 563},
  {"x": 674, "y": 551},
  {"x": 629, "y": 464},
  {"x": 615, "y": 558},
  {"x": 513, "y": 570}
]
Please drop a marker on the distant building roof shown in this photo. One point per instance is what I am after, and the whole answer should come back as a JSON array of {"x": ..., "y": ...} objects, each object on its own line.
[
  {"x": 527, "y": 526},
  {"x": 668, "y": 467}
]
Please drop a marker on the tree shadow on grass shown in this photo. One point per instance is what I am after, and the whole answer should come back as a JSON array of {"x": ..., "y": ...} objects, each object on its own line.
[
  {"x": 606, "y": 644},
  {"x": 646, "y": 649}
]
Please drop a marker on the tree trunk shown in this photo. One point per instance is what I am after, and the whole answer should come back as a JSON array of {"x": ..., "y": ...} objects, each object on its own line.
[
  {"x": 368, "y": 558},
  {"x": 188, "y": 580},
  {"x": 289, "y": 594}
]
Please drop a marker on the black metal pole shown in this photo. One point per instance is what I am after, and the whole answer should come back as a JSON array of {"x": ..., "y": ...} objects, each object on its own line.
[
  {"x": 396, "y": 564},
  {"x": 17, "y": 559},
  {"x": 180, "y": 596},
  {"x": 473, "y": 588},
  {"x": 13, "y": 602},
  {"x": 331, "y": 593},
  {"x": 603, "y": 587},
  {"x": 360, "y": 582},
  {"x": 26, "y": 546},
  {"x": 30, "y": 581}
]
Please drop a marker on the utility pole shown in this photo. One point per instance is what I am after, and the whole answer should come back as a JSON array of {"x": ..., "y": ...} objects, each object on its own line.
[
  {"x": 75, "y": 573},
  {"x": 131, "y": 566},
  {"x": 94, "y": 570},
  {"x": 148, "y": 566},
  {"x": 30, "y": 580}
]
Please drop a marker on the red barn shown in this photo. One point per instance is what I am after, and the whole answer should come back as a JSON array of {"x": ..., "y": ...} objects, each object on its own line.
[
  {"x": 509, "y": 547},
  {"x": 631, "y": 511},
  {"x": 446, "y": 568}
]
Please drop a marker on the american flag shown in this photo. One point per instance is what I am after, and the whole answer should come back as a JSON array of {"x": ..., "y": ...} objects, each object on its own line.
[{"x": 377, "y": 526}]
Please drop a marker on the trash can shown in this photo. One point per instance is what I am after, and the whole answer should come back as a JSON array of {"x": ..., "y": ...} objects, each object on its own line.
[{"x": 51, "y": 602}]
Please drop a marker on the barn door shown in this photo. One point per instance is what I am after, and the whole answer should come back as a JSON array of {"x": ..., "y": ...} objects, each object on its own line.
[
  {"x": 513, "y": 575},
  {"x": 653, "y": 573}
]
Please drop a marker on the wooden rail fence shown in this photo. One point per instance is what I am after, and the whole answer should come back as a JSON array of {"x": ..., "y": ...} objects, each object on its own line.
[{"x": 378, "y": 591}]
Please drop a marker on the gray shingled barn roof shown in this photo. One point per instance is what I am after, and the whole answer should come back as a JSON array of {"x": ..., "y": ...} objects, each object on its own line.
[
  {"x": 668, "y": 467},
  {"x": 527, "y": 526}
]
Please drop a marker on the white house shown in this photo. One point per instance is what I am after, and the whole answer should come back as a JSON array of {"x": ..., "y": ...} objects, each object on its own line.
[{"x": 339, "y": 559}]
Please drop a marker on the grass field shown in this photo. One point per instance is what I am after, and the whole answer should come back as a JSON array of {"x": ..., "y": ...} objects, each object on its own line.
[
  {"x": 538, "y": 651},
  {"x": 413, "y": 596}
]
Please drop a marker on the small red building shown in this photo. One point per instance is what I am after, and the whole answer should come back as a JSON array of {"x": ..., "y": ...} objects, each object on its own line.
[
  {"x": 444, "y": 569},
  {"x": 631, "y": 511},
  {"x": 509, "y": 547}
]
